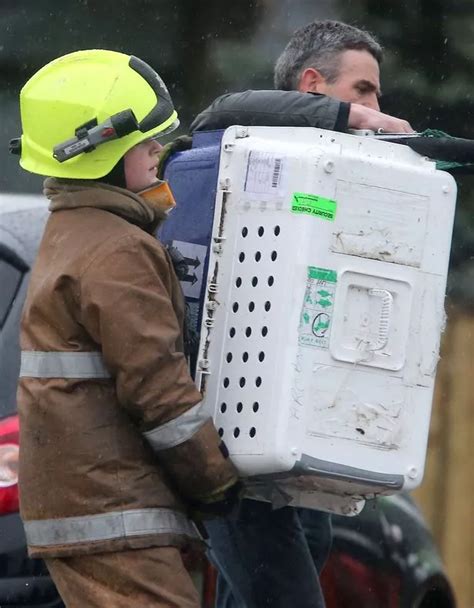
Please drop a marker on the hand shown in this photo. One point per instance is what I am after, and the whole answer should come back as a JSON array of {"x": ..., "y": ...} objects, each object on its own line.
[
  {"x": 361, "y": 117},
  {"x": 221, "y": 505}
]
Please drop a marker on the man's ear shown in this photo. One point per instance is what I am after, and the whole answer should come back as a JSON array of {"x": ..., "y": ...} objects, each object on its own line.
[{"x": 311, "y": 81}]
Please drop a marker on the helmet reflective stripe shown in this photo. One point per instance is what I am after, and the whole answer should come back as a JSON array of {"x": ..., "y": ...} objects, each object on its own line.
[
  {"x": 84, "y": 89},
  {"x": 107, "y": 526}
]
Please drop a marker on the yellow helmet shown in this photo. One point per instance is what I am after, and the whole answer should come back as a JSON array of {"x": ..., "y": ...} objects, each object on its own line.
[{"x": 82, "y": 112}]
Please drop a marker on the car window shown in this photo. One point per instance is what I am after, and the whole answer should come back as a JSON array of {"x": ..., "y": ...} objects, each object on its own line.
[
  {"x": 10, "y": 279},
  {"x": 13, "y": 273}
]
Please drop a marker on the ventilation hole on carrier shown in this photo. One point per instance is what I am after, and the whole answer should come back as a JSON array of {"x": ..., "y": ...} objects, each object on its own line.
[
  {"x": 274, "y": 256},
  {"x": 261, "y": 356},
  {"x": 223, "y": 407},
  {"x": 229, "y": 357},
  {"x": 232, "y": 332},
  {"x": 245, "y": 357},
  {"x": 255, "y": 406},
  {"x": 242, "y": 382},
  {"x": 241, "y": 256},
  {"x": 253, "y": 432},
  {"x": 236, "y": 432},
  {"x": 276, "y": 230},
  {"x": 270, "y": 280},
  {"x": 221, "y": 432},
  {"x": 260, "y": 231},
  {"x": 254, "y": 281},
  {"x": 239, "y": 407},
  {"x": 258, "y": 381},
  {"x": 235, "y": 306},
  {"x": 248, "y": 332},
  {"x": 226, "y": 382},
  {"x": 245, "y": 231},
  {"x": 264, "y": 330},
  {"x": 238, "y": 282},
  {"x": 268, "y": 305},
  {"x": 251, "y": 306},
  {"x": 258, "y": 256}
]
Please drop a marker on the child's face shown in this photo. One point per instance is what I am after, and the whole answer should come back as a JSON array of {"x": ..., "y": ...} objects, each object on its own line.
[{"x": 140, "y": 165}]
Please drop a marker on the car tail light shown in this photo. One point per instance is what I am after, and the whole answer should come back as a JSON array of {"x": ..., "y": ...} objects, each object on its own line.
[
  {"x": 349, "y": 581},
  {"x": 9, "y": 452}
]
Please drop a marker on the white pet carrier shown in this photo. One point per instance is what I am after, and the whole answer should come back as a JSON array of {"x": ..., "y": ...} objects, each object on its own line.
[{"x": 324, "y": 310}]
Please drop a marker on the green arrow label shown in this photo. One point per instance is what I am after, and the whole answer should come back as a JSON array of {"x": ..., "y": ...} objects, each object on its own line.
[
  {"x": 316, "y": 316},
  {"x": 314, "y": 205}
]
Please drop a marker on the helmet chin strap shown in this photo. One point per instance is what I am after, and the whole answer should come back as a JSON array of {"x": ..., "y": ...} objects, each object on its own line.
[{"x": 116, "y": 177}]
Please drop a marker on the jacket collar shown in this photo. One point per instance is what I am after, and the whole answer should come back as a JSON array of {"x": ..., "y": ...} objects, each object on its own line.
[{"x": 74, "y": 194}]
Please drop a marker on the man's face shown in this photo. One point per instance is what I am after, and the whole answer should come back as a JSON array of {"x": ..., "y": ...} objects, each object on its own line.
[
  {"x": 358, "y": 80},
  {"x": 140, "y": 165}
]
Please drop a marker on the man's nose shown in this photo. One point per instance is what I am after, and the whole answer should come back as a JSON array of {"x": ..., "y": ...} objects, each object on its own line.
[{"x": 372, "y": 102}]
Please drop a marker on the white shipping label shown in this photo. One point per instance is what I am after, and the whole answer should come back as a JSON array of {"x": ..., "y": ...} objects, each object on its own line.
[{"x": 265, "y": 174}]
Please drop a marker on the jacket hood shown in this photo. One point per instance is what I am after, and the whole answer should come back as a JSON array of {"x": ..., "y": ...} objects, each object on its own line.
[{"x": 73, "y": 194}]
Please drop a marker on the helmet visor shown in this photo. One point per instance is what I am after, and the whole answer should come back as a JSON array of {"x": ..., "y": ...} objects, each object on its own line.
[{"x": 172, "y": 127}]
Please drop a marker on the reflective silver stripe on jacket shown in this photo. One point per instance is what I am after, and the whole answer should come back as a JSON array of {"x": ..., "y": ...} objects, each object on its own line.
[
  {"x": 40, "y": 364},
  {"x": 176, "y": 431},
  {"x": 108, "y": 526}
]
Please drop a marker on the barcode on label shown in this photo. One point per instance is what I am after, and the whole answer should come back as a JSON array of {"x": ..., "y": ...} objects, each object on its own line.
[
  {"x": 265, "y": 174},
  {"x": 276, "y": 173}
]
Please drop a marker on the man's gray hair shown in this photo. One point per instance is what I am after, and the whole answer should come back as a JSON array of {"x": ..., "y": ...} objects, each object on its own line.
[{"x": 318, "y": 45}]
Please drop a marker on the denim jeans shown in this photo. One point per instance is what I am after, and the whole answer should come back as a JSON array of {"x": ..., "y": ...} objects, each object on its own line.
[{"x": 269, "y": 558}]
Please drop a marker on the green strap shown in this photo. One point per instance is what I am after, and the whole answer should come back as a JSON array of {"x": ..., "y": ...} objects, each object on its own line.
[{"x": 444, "y": 165}]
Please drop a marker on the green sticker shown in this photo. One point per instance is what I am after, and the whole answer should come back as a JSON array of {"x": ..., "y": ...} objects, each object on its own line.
[
  {"x": 311, "y": 204},
  {"x": 318, "y": 304},
  {"x": 322, "y": 274}
]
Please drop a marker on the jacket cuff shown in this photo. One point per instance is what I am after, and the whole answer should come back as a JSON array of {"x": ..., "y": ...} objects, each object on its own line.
[
  {"x": 342, "y": 120},
  {"x": 199, "y": 466}
]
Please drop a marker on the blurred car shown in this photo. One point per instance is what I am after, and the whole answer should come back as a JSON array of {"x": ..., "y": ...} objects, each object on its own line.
[
  {"x": 384, "y": 558},
  {"x": 23, "y": 581},
  {"x": 390, "y": 552}
]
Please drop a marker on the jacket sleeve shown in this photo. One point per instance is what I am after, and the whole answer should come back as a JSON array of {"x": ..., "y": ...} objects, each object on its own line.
[
  {"x": 127, "y": 309},
  {"x": 273, "y": 109}
]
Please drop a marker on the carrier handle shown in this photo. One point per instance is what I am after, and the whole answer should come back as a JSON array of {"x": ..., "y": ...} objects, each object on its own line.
[{"x": 385, "y": 315}]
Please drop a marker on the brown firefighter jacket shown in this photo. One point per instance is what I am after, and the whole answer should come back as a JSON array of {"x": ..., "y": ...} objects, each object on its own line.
[{"x": 112, "y": 442}]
